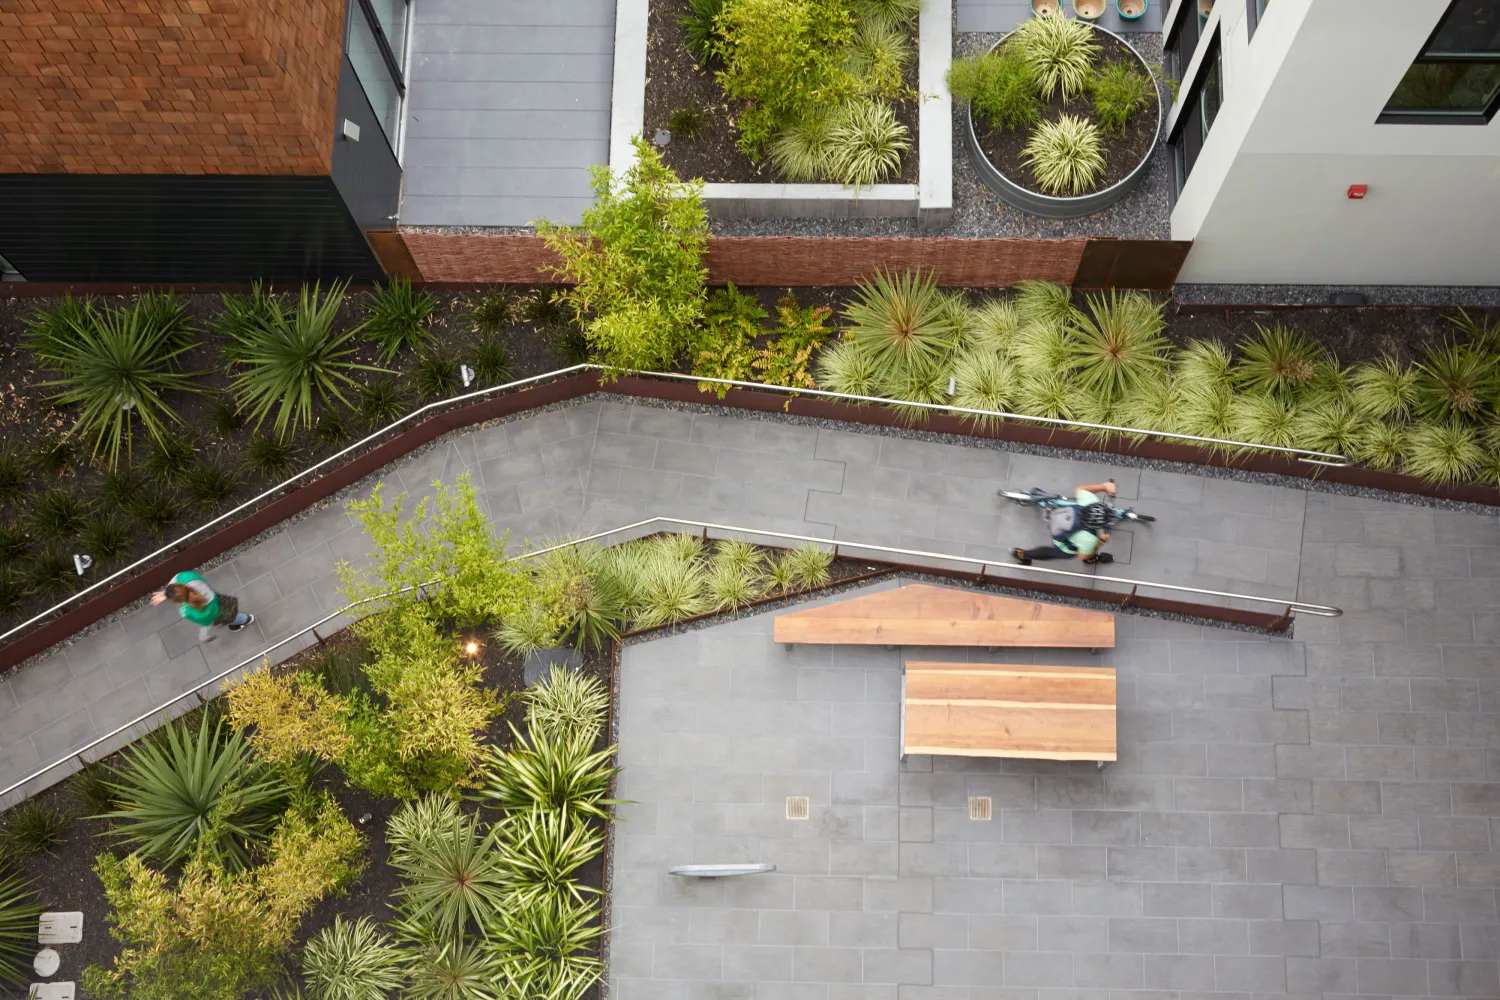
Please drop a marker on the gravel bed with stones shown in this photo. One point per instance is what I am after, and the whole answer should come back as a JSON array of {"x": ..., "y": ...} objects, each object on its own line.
[{"x": 1475, "y": 296}]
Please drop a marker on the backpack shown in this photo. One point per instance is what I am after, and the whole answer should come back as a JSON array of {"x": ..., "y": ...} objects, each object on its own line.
[{"x": 1063, "y": 520}]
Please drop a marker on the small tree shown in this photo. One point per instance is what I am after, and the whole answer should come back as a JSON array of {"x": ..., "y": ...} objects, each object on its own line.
[{"x": 636, "y": 263}]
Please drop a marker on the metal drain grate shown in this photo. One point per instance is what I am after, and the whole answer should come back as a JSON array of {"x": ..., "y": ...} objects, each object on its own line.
[
  {"x": 980, "y": 807},
  {"x": 797, "y": 807}
]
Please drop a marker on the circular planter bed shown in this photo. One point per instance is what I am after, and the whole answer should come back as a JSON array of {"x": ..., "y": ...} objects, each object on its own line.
[{"x": 997, "y": 153}]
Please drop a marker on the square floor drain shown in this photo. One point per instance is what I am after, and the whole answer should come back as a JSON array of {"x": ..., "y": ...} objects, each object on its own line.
[
  {"x": 797, "y": 807},
  {"x": 980, "y": 807}
]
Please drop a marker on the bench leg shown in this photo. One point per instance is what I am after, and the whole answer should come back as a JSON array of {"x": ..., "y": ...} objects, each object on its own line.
[{"x": 1102, "y": 764}]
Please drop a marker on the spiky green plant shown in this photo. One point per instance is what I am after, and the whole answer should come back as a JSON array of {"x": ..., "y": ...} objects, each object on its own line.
[
  {"x": 445, "y": 969},
  {"x": 865, "y": 144},
  {"x": 1333, "y": 425},
  {"x": 1043, "y": 304},
  {"x": 107, "y": 537},
  {"x": 380, "y": 402},
  {"x": 491, "y": 361},
  {"x": 489, "y": 312},
  {"x": 809, "y": 565},
  {"x": 59, "y": 514},
  {"x": 801, "y": 152},
  {"x": 1384, "y": 389},
  {"x": 896, "y": 13},
  {"x": 1483, "y": 332},
  {"x": 270, "y": 458},
  {"x": 120, "y": 486},
  {"x": 1118, "y": 91},
  {"x": 1277, "y": 360},
  {"x": 15, "y": 543},
  {"x": 33, "y": 828},
  {"x": 396, "y": 318},
  {"x": 333, "y": 426},
  {"x": 51, "y": 570},
  {"x": 1060, "y": 50},
  {"x": 15, "y": 473},
  {"x": 1159, "y": 405},
  {"x": 551, "y": 770},
  {"x": 49, "y": 329},
  {"x": 1205, "y": 367},
  {"x": 778, "y": 577},
  {"x": 1066, "y": 156},
  {"x": 1050, "y": 394},
  {"x": 225, "y": 417},
  {"x": 437, "y": 375},
  {"x": 1000, "y": 86},
  {"x": 1442, "y": 451},
  {"x": 1042, "y": 350},
  {"x": 210, "y": 483},
  {"x": 152, "y": 510},
  {"x": 700, "y": 30},
  {"x": 418, "y": 821},
  {"x": 738, "y": 555},
  {"x": 1264, "y": 418},
  {"x": 170, "y": 458},
  {"x": 1331, "y": 384},
  {"x": 1455, "y": 381},
  {"x": 983, "y": 380},
  {"x": 12, "y": 592},
  {"x": 90, "y": 787},
  {"x": 687, "y": 121},
  {"x": 19, "y": 912},
  {"x": 921, "y": 382},
  {"x": 164, "y": 311},
  {"x": 353, "y": 961},
  {"x": 847, "y": 367},
  {"x": 55, "y": 456},
  {"x": 877, "y": 57},
  {"x": 899, "y": 320},
  {"x": 729, "y": 587},
  {"x": 674, "y": 590},
  {"x": 526, "y": 631},
  {"x": 1212, "y": 415},
  {"x": 680, "y": 545},
  {"x": 1118, "y": 347},
  {"x": 1488, "y": 470},
  {"x": 285, "y": 360},
  {"x": 541, "y": 849},
  {"x": 453, "y": 876},
  {"x": 187, "y": 792},
  {"x": 546, "y": 948},
  {"x": 597, "y": 610},
  {"x": 567, "y": 701},
  {"x": 1381, "y": 446},
  {"x": 993, "y": 326}
]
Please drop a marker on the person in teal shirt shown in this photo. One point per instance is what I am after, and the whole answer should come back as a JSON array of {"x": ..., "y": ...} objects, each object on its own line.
[
  {"x": 1078, "y": 529},
  {"x": 198, "y": 603}
]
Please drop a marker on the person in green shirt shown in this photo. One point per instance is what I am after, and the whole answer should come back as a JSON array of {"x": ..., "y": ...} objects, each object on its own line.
[
  {"x": 198, "y": 603},
  {"x": 1078, "y": 528}
]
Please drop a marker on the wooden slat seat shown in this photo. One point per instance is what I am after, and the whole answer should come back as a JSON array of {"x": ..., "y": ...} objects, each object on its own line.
[
  {"x": 1009, "y": 710},
  {"x": 922, "y": 615}
]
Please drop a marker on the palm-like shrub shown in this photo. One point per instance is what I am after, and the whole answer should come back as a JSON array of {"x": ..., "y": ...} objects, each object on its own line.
[
  {"x": 1455, "y": 381},
  {"x": 1120, "y": 347},
  {"x": 1066, "y": 156},
  {"x": 809, "y": 565},
  {"x": 187, "y": 792},
  {"x": 452, "y": 873},
  {"x": 1263, "y": 418},
  {"x": 1443, "y": 452},
  {"x": 447, "y": 969},
  {"x": 865, "y": 143},
  {"x": 983, "y": 380},
  {"x": 596, "y": 608},
  {"x": 551, "y": 770},
  {"x": 353, "y": 961},
  {"x": 1118, "y": 91},
  {"x": 900, "y": 320},
  {"x": 847, "y": 367},
  {"x": 33, "y": 828},
  {"x": 107, "y": 537},
  {"x": 546, "y": 948},
  {"x": 19, "y": 912},
  {"x": 1000, "y": 86},
  {"x": 1278, "y": 360},
  {"x": 59, "y": 514},
  {"x": 1205, "y": 367},
  {"x": 700, "y": 29},
  {"x": 170, "y": 457},
  {"x": 285, "y": 360},
  {"x": 802, "y": 151},
  {"x": 396, "y": 317},
  {"x": 116, "y": 366},
  {"x": 1381, "y": 446},
  {"x": 15, "y": 473},
  {"x": 541, "y": 849},
  {"x": 1060, "y": 50},
  {"x": 567, "y": 702},
  {"x": 1384, "y": 389}
]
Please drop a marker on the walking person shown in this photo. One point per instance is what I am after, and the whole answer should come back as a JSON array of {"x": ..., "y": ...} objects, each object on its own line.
[
  {"x": 1078, "y": 528},
  {"x": 198, "y": 603}
]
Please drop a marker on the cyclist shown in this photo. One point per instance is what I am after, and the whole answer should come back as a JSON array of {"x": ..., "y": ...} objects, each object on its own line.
[{"x": 1078, "y": 528}]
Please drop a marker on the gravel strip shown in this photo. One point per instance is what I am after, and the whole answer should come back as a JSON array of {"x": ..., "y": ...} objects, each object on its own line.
[{"x": 1322, "y": 295}]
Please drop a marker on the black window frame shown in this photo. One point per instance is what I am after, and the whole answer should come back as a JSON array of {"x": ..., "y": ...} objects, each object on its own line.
[
  {"x": 1192, "y": 111},
  {"x": 1483, "y": 117},
  {"x": 1175, "y": 58}
]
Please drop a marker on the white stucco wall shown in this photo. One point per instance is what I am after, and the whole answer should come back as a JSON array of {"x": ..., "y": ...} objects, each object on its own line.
[{"x": 1266, "y": 202}]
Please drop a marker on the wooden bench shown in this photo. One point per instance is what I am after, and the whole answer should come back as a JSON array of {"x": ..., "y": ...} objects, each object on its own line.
[
  {"x": 923, "y": 615},
  {"x": 1008, "y": 710}
]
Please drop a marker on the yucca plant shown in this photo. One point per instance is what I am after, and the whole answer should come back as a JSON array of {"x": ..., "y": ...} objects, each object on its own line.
[
  {"x": 270, "y": 457},
  {"x": 1119, "y": 348},
  {"x": 452, "y": 875},
  {"x": 170, "y": 458},
  {"x": 285, "y": 361},
  {"x": 187, "y": 792},
  {"x": 1060, "y": 50},
  {"x": 1277, "y": 360},
  {"x": 801, "y": 151},
  {"x": 899, "y": 320},
  {"x": 1381, "y": 446},
  {"x": 107, "y": 537},
  {"x": 33, "y": 828},
  {"x": 489, "y": 312},
  {"x": 15, "y": 543},
  {"x": 1384, "y": 389},
  {"x": 51, "y": 570},
  {"x": 380, "y": 402},
  {"x": 541, "y": 849},
  {"x": 567, "y": 701},
  {"x": 846, "y": 367},
  {"x": 1332, "y": 426},
  {"x": 993, "y": 326},
  {"x": 152, "y": 510},
  {"x": 546, "y": 948},
  {"x": 597, "y": 608},
  {"x": 1066, "y": 156},
  {"x": 396, "y": 318},
  {"x": 1483, "y": 332},
  {"x": 1205, "y": 367},
  {"x": 491, "y": 361},
  {"x": 418, "y": 821},
  {"x": 447, "y": 969},
  {"x": 865, "y": 144},
  {"x": 700, "y": 30},
  {"x": 437, "y": 375},
  {"x": 893, "y": 13},
  {"x": 15, "y": 473},
  {"x": 59, "y": 514},
  {"x": 1442, "y": 452},
  {"x": 353, "y": 961},
  {"x": 1455, "y": 381},
  {"x": 116, "y": 368},
  {"x": 1264, "y": 418},
  {"x": 19, "y": 913},
  {"x": 551, "y": 770},
  {"x": 1044, "y": 304},
  {"x": 210, "y": 484}
]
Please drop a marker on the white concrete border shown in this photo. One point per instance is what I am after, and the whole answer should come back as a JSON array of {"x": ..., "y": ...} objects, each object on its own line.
[{"x": 930, "y": 201}]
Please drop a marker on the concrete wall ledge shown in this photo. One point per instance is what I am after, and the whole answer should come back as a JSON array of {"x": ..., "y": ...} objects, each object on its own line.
[{"x": 810, "y": 201}]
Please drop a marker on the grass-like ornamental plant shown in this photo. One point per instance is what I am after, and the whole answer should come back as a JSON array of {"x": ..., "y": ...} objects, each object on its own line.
[
  {"x": 551, "y": 770},
  {"x": 546, "y": 948},
  {"x": 1442, "y": 451},
  {"x": 1043, "y": 304},
  {"x": 12, "y": 592},
  {"x": 59, "y": 514},
  {"x": 189, "y": 792},
  {"x": 891, "y": 13},
  {"x": 730, "y": 588},
  {"x": 1066, "y": 156},
  {"x": 19, "y": 912},
  {"x": 541, "y": 849},
  {"x": 1264, "y": 418},
  {"x": 1159, "y": 405},
  {"x": 1051, "y": 394},
  {"x": 1385, "y": 389},
  {"x": 1118, "y": 91},
  {"x": 809, "y": 565},
  {"x": 452, "y": 873},
  {"x": 1117, "y": 346},
  {"x": 801, "y": 152},
  {"x": 15, "y": 473},
  {"x": 334, "y": 426},
  {"x": 122, "y": 485},
  {"x": 170, "y": 458},
  {"x": 1211, "y": 414},
  {"x": 48, "y": 330},
  {"x": 1042, "y": 350},
  {"x": 210, "y": 483},
  {"x": 353, "y": 960},
  {"x": 847, "y": 367},
  {"x": 491, "y": 361},
  {"x": 51, "y": 570},
  {"x": 282, "y": 361},
  {"x": 15, "y": 543},
  {"x": 1278, "y": 360},
  {"x": 90, "y": 787},
  {"x": 1456, "y": 380},
  {"x": 700, "y": 29},
  {"x": 687, "y": 121},
  {"x": 225, "y": 417},
  {"x": 396, "y": 318},
  {"x": 380, "y": 402},
  {"x": 271, "y": 458},
  {"x": 877, "y": 57},
  {"x": 1060, "y": 50},
  {"x": 152, "y": 510},
  {"x": 107, "y": 537},
  {"x": 525, "y": 631},
  {"x": 1000, "y": 86},
  {"x": 1205, "y": 367},
  {"x": 1333, "y": 426},
  {"x": 437, "y": 375},
  {"x": 491, "y": 311},
  {"x": 865, "y": 143},
  {"x": 992, "y": 326},
  {"x": 55, "y": 456},
  {"x": 1382, "y": 446},
  {"x": 920, "y": 382},
  {"x": 567, "y": 701},
  {"x": 983, "y": 380},
  {"x": 900, "y": 320},
  {"x": 33, "y": 828}
]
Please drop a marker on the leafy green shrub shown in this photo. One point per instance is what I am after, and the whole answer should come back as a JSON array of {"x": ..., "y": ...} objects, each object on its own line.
[
  {"x": 801, "y": 152},
  {"x": 1277, "y": 360},
  {"x": 352, "y": 961},
  {"x": 271, "y": 458},
  {"x": 787, "y": 358},
  {"x": 452, "y": 873},
  {"x": 15, "y": 473},
  {"x": 34, "y": 828},
  {"x": 848, "y": 367},
  {"x": 637, "y": 261},
  {"x": 892, "y": 13},
  {"x": 809, "y": 565},
  {"x": 19, "y": 913},
  {"x": 15, "y": 543},
  {"x": 1205, "y": 366},
  {"x": 91, "y": 787},
  {"x": 202, "y": 793},
  {"x": 225, "y": 417},
  {"x": 152, "y": 510},
  {"x": 567, "y": 701},
  {"x": 722, "y": 349},
  {"x": 1118, "y": 346},
  {"x": 1060, "y": 50},
  {"x": 210, "y": 484},
  {"x": 54, "y": 456},
  {"x": 491, "y": 311},
  {"x": 491, "y": 361},
  {"x": 1118, "y": 91},
  {"x": 899, "y": 320},
  {"x": 396, "y": 318},
  {"x": 865, "y": 143},
  {"x": 546, "y": 949},
  {"x": 107, "y": 537},
  {"x": 701, "y": 30},
  {"x": 541, "y": 849},
  {"x": 1000, "y": 86},
  {"x": 783, "y": 57},
  {"x": 380, "y": 402},
  {"x": 1443, "y": 452},
  {"x": 878, "y": 56},
  {"x": 1066, "y": 156},
  {"x": 282, "y": 361},
  {"x": 687, "y": 121},
  {"x": 170, "y": 458},
  {"x": 551, "y": 770},
  {"x": 437, "y": 375},
  {"x": 1455, "y": 381},
  {"x": 59, "y": 514},
  {"x": 1385, "y": 389}
]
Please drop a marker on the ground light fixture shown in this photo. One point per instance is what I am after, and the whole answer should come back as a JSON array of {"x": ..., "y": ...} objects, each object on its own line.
[
  {"x": 81, "y": 562},
  {"x": 471, "y": 647}
]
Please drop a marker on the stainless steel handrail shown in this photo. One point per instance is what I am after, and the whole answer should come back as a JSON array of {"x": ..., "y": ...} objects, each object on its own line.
[{"x": 1303, "y": 455}]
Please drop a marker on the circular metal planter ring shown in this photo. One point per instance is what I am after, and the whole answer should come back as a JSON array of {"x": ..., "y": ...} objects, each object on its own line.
[{"x": 1048, "y": 206}]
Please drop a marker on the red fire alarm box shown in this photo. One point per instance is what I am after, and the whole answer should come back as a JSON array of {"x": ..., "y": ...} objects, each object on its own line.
[{"x": 1358, "y": 191}]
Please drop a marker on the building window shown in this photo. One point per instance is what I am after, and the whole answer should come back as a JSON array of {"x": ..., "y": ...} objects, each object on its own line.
[
  {"x": 376, "y": 46},
  {"x": 1455, "y": 78},
  {"x": 1200, "y": 106},
  {"x": 1256, "y": 10},
  {"x": 1182, "y": 38}
]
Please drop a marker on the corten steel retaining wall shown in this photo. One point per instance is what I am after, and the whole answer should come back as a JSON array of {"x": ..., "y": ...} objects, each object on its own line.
[{"x": 51, "y": 632}]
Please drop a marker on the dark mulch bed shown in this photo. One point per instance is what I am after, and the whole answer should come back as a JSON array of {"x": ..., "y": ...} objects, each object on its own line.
[
  {"x": 1122, "y": 153},
  {"x": 675, "y": 80}
]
